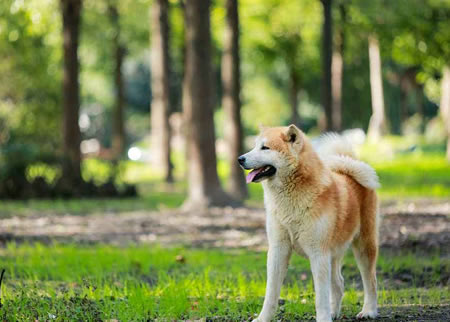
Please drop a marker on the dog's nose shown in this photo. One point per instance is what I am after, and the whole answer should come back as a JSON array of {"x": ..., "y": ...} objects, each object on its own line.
[{"x": 241, "y": 160}]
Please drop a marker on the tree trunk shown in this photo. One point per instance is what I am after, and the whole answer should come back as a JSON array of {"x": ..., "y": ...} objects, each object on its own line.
[
  {"x": 160, "y": 106},
  {"x": 204, "y": 188},
  {"x": 293, "y": 99},
  {"x": 71, "y": 14},
  {"x": 118, "y": 130},
  {"x": 231, "y": 101},
  {"x": 326, "y": 63},
  {"x": 337, "y": 72},
  {"x": 445, "y": 104},
  {"x": 420, "y": 102},
  {"x": 377, "y": 120},
  {"x": 403, "y": 103}
]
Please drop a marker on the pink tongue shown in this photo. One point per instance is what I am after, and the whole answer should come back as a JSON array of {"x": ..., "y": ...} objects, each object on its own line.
[{"x": 252, "y": 174}]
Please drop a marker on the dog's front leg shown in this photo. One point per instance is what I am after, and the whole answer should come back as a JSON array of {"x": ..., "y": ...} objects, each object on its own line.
[
  {"x": 321, "y": 271},
  {"x": 277, "y": 264}
]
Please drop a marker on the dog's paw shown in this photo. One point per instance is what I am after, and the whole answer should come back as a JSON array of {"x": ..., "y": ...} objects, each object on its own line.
[
  {"x": 335, "y": 315},
  {"x": 367, "y": 314}
]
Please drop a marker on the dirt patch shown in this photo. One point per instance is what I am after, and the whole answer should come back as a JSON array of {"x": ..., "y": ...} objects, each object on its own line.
[
  {"x": 404, "y": 313},
  {"x": 404, "y": 225},
  {"x": 419, "y": 313}
]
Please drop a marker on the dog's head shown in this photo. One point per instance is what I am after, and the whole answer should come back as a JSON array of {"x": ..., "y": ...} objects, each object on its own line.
[{"x": 276, "y": 153}]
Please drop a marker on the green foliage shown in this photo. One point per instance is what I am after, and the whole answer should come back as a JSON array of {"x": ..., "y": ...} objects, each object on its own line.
[
  {"x": 279, "y": 40},
  {"x": 278, "y": 46},
  {"x": 29, "y": 73},
  {"x": 140, "y": 283}
]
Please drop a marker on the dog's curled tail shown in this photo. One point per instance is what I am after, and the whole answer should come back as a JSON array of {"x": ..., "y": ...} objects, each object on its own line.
[{"x": 338, "y": 154}]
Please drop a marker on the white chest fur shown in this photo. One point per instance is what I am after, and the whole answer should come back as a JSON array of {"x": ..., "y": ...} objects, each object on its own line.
[{"x": 292, "y": 217}]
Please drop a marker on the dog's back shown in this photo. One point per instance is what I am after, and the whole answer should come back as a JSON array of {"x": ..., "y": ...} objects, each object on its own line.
[{"x": 355, "y": 183}]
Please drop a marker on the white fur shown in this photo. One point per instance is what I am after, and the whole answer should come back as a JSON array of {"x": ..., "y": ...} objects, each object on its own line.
[
  {"x": 338, "y": 154},
  {"x": 290, "y": 226},
  {"x": 333, "y": 144},
  {"x": 363, "y": 173}
]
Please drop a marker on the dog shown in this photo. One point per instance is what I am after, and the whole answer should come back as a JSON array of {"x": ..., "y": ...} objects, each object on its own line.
[{"x": 318, "y": 202}]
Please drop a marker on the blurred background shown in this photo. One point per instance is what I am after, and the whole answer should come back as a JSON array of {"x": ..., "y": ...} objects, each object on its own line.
[
  {"x": 120, "y": 126},
  {"x": 109, "y": 98}
]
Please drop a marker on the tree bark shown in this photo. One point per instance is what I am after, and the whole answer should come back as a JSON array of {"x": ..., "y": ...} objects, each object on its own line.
[
  {"x": 231, "y": 100},
  {"x": 377, "y": 120},
  {"x": 337, "y": 72},
  {"x": 293, "y": 98},
  {"x": 445, "y": 104},
  {"x": 160, "y": 105},
  {"x": 118, "y": 129},
  {"x": 407, "y": 84},
  {"x": 420, "y": 101},
  {"x": 326, "y": 63},
  {"x": 71, "y": 16},
  {"x": 204, "y": 188}
]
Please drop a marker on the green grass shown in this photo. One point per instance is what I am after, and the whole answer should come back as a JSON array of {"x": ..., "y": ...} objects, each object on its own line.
[
  {"x": 155, "y": 201},
  {"x": 68, "y": 282},
  {"x": 416, "y": 175},
  {"x": 422, "y": 174}
]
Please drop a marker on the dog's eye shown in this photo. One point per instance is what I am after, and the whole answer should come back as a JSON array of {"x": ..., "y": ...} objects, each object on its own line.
[{"x": 264, "y": 147}]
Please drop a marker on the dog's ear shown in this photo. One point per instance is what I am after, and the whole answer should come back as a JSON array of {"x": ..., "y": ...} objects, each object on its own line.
[
  {"x": 261, "y": 127},
  {"x": 292, "y": 135}
]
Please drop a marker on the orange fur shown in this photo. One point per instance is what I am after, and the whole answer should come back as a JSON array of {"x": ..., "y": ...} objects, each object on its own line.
[
  {"x": 355, "y": 206},
  {"x": 318, "y": 207}
]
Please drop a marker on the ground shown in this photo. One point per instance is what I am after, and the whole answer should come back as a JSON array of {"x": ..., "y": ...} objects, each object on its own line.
[
  {"x": 209, "y": 265},
  {"x": 141, "y": 259},
  {"x": 415, "y": 224}
]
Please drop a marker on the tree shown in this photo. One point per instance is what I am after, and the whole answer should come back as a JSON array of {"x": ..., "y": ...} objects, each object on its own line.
[
  {"x": 160, "y": 105},
  {"x": 289, "y": 47},
  {"x": 285, "y": 53},
  {"x": 118, "y": 129},
  {"x": 377, "y": 120},
  {"x": 71, "y": 14},
  {"x": 231, "y": 100},
  {"x": 203, "y": 182},
  {"x": 286, "y": 45},
  {"x": 327, "y": 47},
  {"x": 445, "y": 104},
  {"x": 337, "y": 71},
  {"x": 428, "y": 47}
]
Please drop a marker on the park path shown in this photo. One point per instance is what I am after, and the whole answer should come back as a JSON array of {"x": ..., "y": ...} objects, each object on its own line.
[{"x": 416, "y": 224}]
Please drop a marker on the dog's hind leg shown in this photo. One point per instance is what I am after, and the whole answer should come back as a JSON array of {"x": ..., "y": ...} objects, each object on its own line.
[
  {"x": 366, "y": 258},
  {"x": 365, "y": 249},
  {"x": 337, "y": 285}
]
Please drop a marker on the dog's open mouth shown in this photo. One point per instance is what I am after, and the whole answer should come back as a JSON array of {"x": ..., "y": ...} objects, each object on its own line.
[{"x": 257, "y": 175}]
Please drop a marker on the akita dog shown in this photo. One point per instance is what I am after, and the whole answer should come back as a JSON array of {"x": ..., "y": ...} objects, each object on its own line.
[{"x": 318, "y": 203}]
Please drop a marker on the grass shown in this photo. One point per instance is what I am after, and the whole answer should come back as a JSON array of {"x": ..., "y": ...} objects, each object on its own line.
[
  {"x": 91, "y": 283},
  {"x": 415, "y": 175},
  {"x": 154, "y": 201},
  {"x": 424, "y": 173},
  {"x": 101, "y": 282}
]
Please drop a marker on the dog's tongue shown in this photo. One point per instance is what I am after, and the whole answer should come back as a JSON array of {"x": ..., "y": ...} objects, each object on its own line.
[{"x": 251, "y": 175}]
